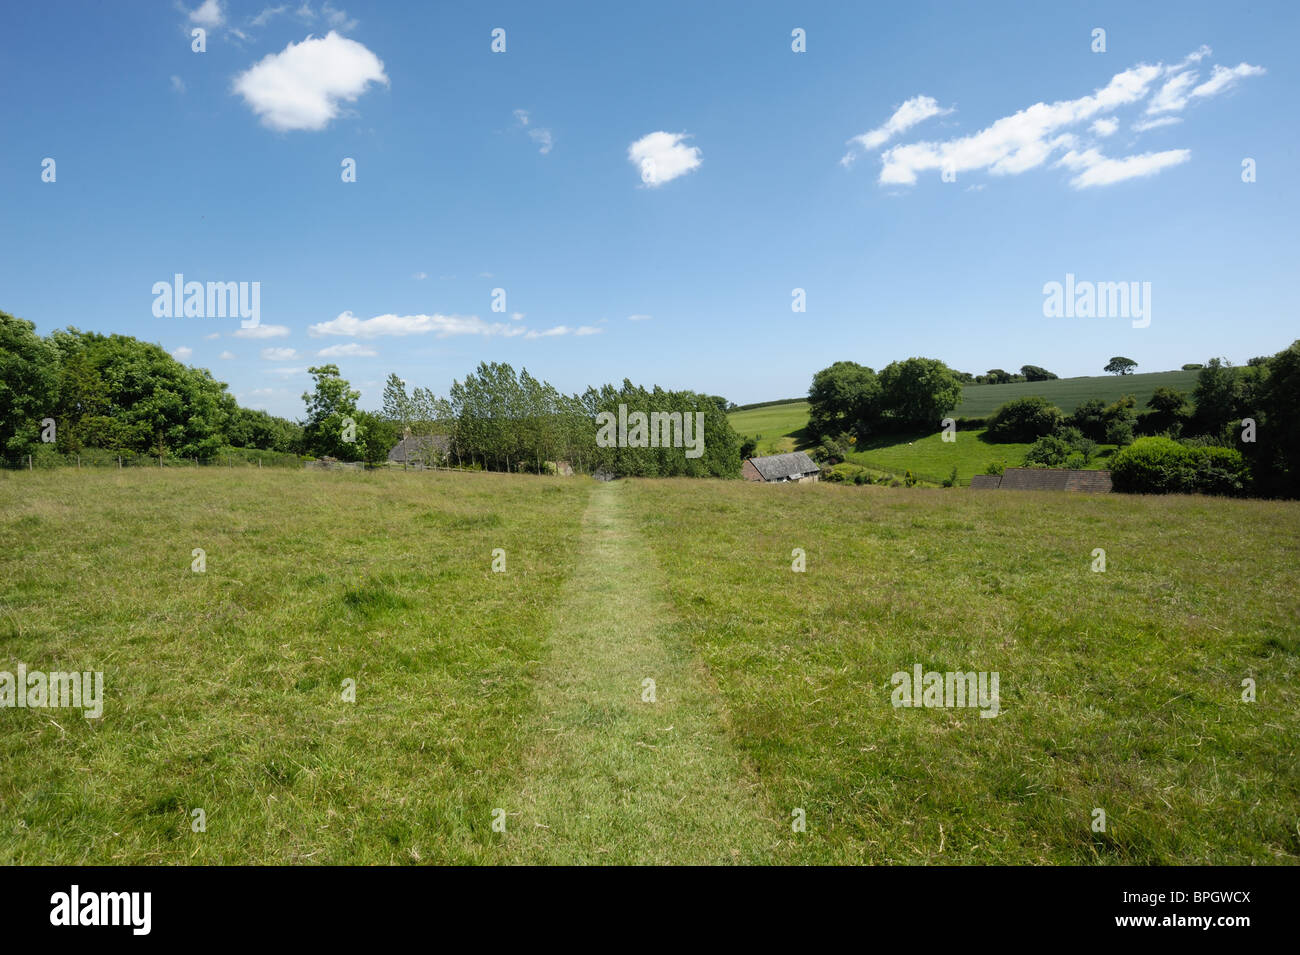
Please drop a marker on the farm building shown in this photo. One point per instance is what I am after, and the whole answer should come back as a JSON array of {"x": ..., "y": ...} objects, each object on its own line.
[
  {"x": 781, "y": 468},
  {"x": 1044, "y": 479},
  {"x": 425, "y": 449}
]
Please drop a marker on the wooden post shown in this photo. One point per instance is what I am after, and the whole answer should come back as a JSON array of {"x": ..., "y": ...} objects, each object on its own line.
[
  {"x": 259, "y": 460},
  {"x": 78, "y": 462},
  {"x": 119, "y": 462},
  {"x": 29, "y": 462}
]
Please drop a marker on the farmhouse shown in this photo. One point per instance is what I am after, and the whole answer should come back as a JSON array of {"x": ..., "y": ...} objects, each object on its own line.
[
  {"x": 1044, "y": 479},
  {"x": 420, "y": 449},
  {"x": 781, "y": 468}
]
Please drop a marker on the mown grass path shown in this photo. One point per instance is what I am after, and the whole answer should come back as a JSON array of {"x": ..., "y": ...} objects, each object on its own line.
[{"x": 611, "y": 778}]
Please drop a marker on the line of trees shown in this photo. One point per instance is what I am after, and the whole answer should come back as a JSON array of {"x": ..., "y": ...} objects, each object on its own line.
[
  {"x": 499, "y": 420},
  {"x": 121, "y": 395}
]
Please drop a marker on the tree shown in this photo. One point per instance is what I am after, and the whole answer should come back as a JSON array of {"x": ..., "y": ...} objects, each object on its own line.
[
  {"x": 397, "y": 405},
  {"x": 996, "y": 376},
  {"x": 329, "y": 407},
  {"x": 29, "y": 379},
  {"x": 1035, "y": 373},
  {"x": 1193, "y": 366},
  {"x": 1169, "y": 412},
  {"x": 1277, "y": 448},
  {"x": 1215, "y": 394},
  {"x": 844, "y": 397},
  {"x": 1024, "y": 419},
  {"x": 1120, "y": 365},
  {"x": 919, "y": 392}
]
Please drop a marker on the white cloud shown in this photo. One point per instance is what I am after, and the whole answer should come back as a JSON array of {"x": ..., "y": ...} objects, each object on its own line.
[
  {"x": 262, "y": 331},
  {"x": 915, "y": 110},
  {"x": 208, "y": 14},
  {"x": 287, "y": 372},
  {"x": 662, "y": 157},
  {"x": 1142, "y": 125},
  {"x": 441, "y": 326},
  {"x": 516, "y": 316},
  {"x": 420, "y": 276},
  {"x": 302, "y": 86},
  {"x": 565, "y": 330},
  {"x": 638, "y": 318},
  {"x": 1223, "y": 78},
  {"x": 182, "y": 353},
  {"x": 279, "y": 354},
  {"x": 1030, "y": 137},
  {"x": 178, "y": 84},
  {"x": 227, "y": 356},
  {"x": 350, "y": 350},
  {"x": 212, "y": 338},
  {"x": 1173, "y": 95},
  {"x": 266, "y": 14},
  {"x": 1095, "y": 169},
  {"x": 537, "y": 134}
]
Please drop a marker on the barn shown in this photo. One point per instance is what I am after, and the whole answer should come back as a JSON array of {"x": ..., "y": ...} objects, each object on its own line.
[{"x": 781, "y": 468}]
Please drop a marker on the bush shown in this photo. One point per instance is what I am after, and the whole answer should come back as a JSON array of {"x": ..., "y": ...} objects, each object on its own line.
[
  {"x": 1119, "y": 433},
  {"x": 1024, "y": 419},
  {"x": 1048, "y": 452},
  {"x": 1163, "y": 466},
  {"x": 996, "y": 467},
  {"x": 951, "y": 479}
]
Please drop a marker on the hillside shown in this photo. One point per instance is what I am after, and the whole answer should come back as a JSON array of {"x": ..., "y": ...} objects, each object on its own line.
[
  {"x": 978, "y": 401},
  {"x": 781, "y": 424}
]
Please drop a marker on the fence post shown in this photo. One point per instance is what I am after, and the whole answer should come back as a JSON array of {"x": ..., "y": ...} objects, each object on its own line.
[
  {"x": 119, "y": 462},
  {"x": 259, "y": 462},
  {"x": 78, "y": 462},
  {"x": 29, "y": 462}
]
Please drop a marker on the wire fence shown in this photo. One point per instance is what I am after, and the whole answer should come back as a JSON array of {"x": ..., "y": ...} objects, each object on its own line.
[{"x": 237, "y": 458}]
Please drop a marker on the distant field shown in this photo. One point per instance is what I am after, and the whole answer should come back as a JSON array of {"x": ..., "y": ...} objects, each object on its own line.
[
  {"x": 931, "y": 459},
  {"x": 979, "y": 401},
  {"x": 782, "y": 425},
  {"x": 522, "y": 697},
  {"x": 779, "y": 425}
]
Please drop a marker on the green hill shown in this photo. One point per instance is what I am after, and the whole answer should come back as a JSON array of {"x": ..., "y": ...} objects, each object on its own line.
[{"x": 979, "y": 401}]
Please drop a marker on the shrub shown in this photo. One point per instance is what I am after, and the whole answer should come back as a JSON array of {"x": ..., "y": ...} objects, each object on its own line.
[
  {"x": 951, "y": 479},
  {"x": 1024, "y": 419},
  {"x": 1048, "y": 452},
  {"x": 1119, "y": 433},
  {"x": 1163, "y": 466},
  {"x": 996, "y": 467}
]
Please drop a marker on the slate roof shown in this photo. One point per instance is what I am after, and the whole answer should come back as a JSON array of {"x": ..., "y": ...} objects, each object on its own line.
[
  {"x": 783, "y": 467},
  {"x": 986, "y": 481},
  {"x": 416, "y": 446}
]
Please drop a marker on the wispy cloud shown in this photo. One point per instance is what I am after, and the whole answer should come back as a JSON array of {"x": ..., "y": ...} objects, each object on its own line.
[
  {"x": 1034, "y": 136},
  {"x": 559, "y": 330},
  {"x": 440, "y": 326},
  {"x": 279, "y": 354},
  {"x": 209, "y": 14},
  {"x": 537, "y": 134},
  {"x": 182, "y": 353},
  {"x": 262, "y": 331},
  {"x": 639, "y": 318},
  {"x": 350, "y": 350},
  {"x": 915, "y": 110}
]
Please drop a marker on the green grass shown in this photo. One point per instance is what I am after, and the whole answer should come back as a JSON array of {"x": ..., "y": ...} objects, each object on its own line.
[
  {"x": 522, "y": 691},
  {"x": 980, "y": 401},
  {"x": 932, "y": 459},
  {"x": 1120, "y": 690},
  {"x": 781, "y": 426}
]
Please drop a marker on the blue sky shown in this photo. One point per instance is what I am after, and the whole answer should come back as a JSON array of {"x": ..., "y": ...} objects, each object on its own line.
[{"x": 226, "y": 166}]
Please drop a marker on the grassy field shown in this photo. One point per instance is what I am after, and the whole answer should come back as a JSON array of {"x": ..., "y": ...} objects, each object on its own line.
[
  {"x": 980, "y": 401},
  {"x": 648, "y": 681},
  {"x": 932, "y": 459},
  {"x": 780, "y": 427}
]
